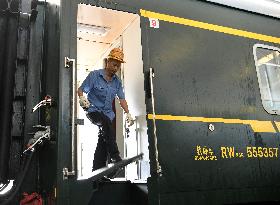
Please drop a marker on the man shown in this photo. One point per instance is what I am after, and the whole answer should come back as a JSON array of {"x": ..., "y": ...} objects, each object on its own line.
[{"x": 101, "y": 87}]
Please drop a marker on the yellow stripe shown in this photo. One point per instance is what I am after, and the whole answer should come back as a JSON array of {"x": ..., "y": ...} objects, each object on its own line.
[
  {"x": 277, "y": 125},
  {"x": 257, "y": 126},
  {"x": 207, "y": 26}
]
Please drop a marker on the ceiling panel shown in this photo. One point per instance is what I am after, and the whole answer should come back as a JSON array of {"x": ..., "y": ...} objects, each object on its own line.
[{"x": 91, "y": 47}]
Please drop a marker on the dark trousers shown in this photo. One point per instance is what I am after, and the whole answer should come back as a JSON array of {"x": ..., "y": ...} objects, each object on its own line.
[{"x": 106, "y": 140}]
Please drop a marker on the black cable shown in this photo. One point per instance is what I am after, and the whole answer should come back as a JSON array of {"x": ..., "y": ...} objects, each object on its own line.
[{"x": 9, "y": 196}]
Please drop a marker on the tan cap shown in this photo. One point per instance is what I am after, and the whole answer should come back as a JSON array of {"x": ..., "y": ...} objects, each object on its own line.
[{"x": 117, "y": 54}]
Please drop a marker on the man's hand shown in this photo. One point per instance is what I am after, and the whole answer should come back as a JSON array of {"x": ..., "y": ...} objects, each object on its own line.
[
  {"x": 84, "y": 103},
  {"x": 129, "y": 119}
]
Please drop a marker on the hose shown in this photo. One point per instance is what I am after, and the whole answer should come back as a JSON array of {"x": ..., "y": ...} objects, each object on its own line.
[{"x": 5, "y": 199}]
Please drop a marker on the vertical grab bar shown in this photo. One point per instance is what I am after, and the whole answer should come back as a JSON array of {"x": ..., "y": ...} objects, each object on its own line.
[
  {"x": 72, "y": 63},
  {"x": 152, "y": 75}
]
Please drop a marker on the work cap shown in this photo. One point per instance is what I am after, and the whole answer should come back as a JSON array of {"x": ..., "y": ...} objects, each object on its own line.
[{"x": 117, "y": 54}]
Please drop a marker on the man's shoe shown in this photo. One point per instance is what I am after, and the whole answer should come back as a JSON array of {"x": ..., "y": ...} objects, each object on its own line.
[
  {"x": 105, "y": 179},
  {"x": 116, "y": 159},
  {"x": 115, "y": 173}
]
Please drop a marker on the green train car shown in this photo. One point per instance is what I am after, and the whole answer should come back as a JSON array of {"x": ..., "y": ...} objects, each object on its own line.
[{"x": 201, "y": 78}]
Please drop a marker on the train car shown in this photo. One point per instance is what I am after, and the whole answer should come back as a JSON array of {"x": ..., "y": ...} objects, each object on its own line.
[{"x": 201, "y": 78}]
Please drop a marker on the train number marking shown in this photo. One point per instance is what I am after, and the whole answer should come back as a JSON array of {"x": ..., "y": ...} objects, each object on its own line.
[
  {"x": 154, "y": 23},
  {"x": 204, "y": 153}
]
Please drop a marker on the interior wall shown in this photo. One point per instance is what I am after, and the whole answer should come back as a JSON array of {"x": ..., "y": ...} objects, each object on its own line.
[
  {"x": 119, "y": 111},
  {"x": 135, "y": 96},
  {"x": 87, "y": 137},
  {"x": 88, "y": 133}
]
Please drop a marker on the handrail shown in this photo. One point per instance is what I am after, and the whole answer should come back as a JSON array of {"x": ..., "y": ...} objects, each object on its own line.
[{"x": 109, "y": 170}]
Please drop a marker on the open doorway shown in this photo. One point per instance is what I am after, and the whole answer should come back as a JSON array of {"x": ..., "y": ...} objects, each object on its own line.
[{"x": 100, "y": 30}]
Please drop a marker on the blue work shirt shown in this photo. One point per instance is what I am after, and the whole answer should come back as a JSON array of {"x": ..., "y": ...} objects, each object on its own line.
[{"x": 101, "y": 93}]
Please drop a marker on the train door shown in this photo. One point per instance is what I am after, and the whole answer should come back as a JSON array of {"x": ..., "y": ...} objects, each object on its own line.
[
  {"x": 98, "y": 31},
  {"x": 94, "y": 32},
  {"x": 206, "y": 106}
]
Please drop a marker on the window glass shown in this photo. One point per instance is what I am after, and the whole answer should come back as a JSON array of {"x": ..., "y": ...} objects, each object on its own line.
[{"x": 267, "y": 60}]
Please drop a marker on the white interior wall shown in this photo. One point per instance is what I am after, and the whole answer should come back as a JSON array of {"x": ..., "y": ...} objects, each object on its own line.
[
  {"x": 88, "y": 133},
  {"x": 119, "y": 111},
  {"x": 135, "y": 96},
  {"x": 87, "y": 137}
]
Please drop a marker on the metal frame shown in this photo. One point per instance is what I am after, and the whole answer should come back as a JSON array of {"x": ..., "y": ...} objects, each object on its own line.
[
  {"x": 266, "y": 7},
  {"x": 270, "y": 111}
]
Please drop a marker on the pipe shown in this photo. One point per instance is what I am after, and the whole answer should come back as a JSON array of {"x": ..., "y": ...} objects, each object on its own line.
[
  {"x": 9, "y": 196},
  {"x": 3, "y": 36},
  {"x": 7, "y": 89}
]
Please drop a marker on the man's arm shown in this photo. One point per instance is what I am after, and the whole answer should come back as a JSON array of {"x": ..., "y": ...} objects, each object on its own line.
[
  {"x": 124, "y": 105},
  {"x": 80, "y": 92},
  {"x": 128, "y": 117}
]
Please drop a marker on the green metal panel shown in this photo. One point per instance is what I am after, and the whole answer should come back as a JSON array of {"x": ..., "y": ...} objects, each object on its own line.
[
  {"x": 67, "y": 25},
  {"x": 202, "y": 73},
  {"x": 49, "y": 86}
]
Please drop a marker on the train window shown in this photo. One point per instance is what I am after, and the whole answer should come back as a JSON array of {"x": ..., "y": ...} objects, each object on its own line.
[{"x": 267, "y": 61}]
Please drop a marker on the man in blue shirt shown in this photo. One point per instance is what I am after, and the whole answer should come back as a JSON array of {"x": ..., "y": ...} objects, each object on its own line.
[{"x": 101, "y": 87}]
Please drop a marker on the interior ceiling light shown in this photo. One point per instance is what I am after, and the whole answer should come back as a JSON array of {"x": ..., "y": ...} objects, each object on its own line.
[{"x": 93, "y": 29}]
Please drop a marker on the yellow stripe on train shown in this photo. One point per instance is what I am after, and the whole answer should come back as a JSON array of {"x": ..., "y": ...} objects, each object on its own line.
[
  {"x": 208, "y": 26},
  {"x": 257, "y": 126}
]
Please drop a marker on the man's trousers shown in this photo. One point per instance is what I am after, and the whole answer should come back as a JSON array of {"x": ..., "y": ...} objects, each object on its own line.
[{"x": 106, "y": 140}]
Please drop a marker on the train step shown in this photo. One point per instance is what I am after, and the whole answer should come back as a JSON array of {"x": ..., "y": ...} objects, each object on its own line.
[{"x": 120, "y": 193}]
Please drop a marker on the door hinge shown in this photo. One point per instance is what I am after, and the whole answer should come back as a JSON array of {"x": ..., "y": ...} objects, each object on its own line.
[
  {"x": 79, "y": 121},
  {"x": 67, "y": 174},
  {"x": 68, "y": 62}
]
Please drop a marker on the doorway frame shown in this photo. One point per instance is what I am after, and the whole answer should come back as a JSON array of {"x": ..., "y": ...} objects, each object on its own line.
[{"x": 71, "y": 190}]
